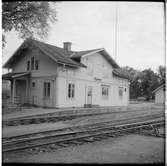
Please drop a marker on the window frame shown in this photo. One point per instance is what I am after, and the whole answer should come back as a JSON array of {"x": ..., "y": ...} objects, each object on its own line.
[
  {"x": 71, "y": 90},
  {"x": 33, "y": 84},
  {"x": 36, "y": 64},
  {"x": 106, "y": 96},
  {"x": 122, "y": 89},
  {"x": 32, "y": 63},
  {"x": 28, "y": 65},
  {"x": 47, "y": 89}
]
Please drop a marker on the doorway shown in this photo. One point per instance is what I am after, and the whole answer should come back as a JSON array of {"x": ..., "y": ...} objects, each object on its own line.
[{"x": 21, "y": 90}]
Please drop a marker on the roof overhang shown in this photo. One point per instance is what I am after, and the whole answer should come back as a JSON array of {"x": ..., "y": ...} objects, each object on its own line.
[
  {"x": 106, "y": 55},
  {"x": 119, "y": 74},
  {"x": 16, "y": 54},
  {"x": 157, "y": 89},
  {"x": 10, "y": 76}
]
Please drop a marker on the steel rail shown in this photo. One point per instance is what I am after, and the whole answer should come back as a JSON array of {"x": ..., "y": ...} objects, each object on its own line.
[
  {"x": 96, "y": 128},
  {"x": 125, "y": 120},
  {"x": 82, "y": 134}
]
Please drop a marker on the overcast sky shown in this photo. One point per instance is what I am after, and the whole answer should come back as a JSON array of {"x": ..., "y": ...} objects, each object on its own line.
[{"x": 90, "y": 25}]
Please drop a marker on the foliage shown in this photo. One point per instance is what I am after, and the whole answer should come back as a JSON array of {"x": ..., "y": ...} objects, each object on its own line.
[
  {"x": 142, "y": 83},
  {"x": 161, "y": 73},
  {"x": 29, "y": 19}
]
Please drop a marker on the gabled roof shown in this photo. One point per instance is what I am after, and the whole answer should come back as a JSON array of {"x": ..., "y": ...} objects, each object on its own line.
[
  {"x": 62, "y": 56},
  {"x": 157, "y": 89},
  {"x": 102, "y": 51},
  {"x": 59, "y": 55}
]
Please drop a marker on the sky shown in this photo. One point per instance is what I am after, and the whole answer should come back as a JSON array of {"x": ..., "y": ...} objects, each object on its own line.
[{"x": 91, "y": 25}]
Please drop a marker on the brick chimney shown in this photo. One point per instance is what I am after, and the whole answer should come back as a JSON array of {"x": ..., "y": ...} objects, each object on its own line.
[{"x": 67, "y": 46}]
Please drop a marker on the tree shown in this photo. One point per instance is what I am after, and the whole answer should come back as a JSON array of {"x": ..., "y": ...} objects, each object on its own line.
[
  {"x": 142, "y": 83},
  {"x": 149, "y": 81},
  {"x": 162, "y": 74},
  {"x": 29, "y": 19},
  {"x": 134, "y": 78}
]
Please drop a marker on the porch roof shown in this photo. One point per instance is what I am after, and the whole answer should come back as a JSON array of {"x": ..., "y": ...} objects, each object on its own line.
[{"x": 10, "y": 76}]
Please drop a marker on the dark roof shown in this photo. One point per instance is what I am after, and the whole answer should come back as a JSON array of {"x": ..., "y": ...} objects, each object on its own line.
[
  {"x": 62, "y": 56},
  {"x": 158, "y": 88},
  {"x": 58, "y": 54},
  {"x": 120, "y": 73}
]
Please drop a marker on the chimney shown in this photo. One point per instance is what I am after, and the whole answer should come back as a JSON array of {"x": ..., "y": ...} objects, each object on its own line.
[{"x": 67, "y": 46}]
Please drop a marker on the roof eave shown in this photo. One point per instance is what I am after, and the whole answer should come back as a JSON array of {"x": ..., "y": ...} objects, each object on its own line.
[
  {"x": 154, "y": 91},
  {"x": 7, "y": 64}
]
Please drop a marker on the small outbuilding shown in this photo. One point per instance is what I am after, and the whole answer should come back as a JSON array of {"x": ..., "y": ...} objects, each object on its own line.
[{"x": 160, "y": 94}]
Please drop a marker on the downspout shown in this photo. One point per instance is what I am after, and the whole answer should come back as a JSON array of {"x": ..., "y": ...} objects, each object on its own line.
[
  {"x": 53, "y": 81},
  {"x": 55, "y": 89}
]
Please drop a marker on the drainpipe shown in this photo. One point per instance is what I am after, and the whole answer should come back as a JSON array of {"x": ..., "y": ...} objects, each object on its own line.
[
  {"x": 53, "y": 92},
  {"x": 13, "y": 90}
]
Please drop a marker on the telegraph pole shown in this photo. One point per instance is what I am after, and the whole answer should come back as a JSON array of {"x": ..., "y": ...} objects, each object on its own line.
[{"x": 116, "y": 27}]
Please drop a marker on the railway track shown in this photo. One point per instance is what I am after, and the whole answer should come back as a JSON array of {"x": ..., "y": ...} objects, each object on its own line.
[
  {"x": 81, "y": 134},
  {"x": 59, "y": 116}
]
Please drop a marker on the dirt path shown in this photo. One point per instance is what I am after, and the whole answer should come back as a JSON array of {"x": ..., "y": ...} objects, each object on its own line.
[{"x": 125, "y": 149}]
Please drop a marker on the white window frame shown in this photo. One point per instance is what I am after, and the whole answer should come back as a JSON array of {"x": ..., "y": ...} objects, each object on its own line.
[
  {"x": 47, "y": 89},
  {"x": 32, "y": 84},
  {"x": 71, "y": 91},
  {"x": 106, "y": 96},
  {"x": 35, "y": 64},
  {"x": 28, "y": 65},
  {"x": 32, "y": 63},
  {"x": 122, "y": 89}
]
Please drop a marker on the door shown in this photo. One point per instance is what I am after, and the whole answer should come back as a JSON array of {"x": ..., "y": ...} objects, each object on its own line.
[
  {"x": 89, "y": 95},
  {"x": 21, "y": 90}
]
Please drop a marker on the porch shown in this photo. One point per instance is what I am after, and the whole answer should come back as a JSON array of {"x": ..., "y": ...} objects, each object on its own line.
[{"x": 19, "y": 89}]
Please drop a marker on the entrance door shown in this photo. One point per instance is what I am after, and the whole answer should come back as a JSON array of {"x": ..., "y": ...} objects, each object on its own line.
[
  {"x": 89, "y": 95},
  {"x": 21, "y": 90}
]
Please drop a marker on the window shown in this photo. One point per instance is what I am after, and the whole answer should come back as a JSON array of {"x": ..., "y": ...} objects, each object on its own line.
[
  {"x": 33, "y": 84},
  {"x": 120, "y": 92},
  {"x": 36, "y": 64},
  {"x": 105, "y": 90},
  {"x": 71, "y": 90},
  {"x": 46, "y": 89},
  {"x": 32, "y": 63},
  {"x": 28, "y": 65}
]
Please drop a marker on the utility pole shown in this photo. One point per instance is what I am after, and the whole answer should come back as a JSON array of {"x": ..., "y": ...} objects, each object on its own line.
[{"x": 116, "y": 27}]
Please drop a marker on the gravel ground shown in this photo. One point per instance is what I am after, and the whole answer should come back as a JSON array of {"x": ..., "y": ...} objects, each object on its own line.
[
  {"x": 125, "y": 149},
  {"x": 108, "y": 117},
  {"x": 8, "y": 131}
]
